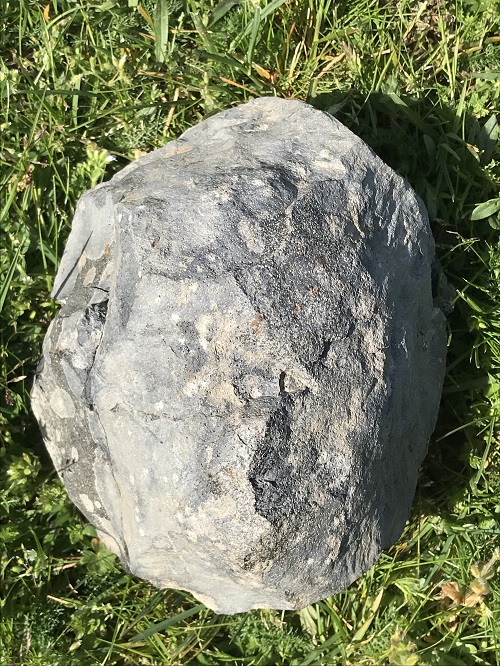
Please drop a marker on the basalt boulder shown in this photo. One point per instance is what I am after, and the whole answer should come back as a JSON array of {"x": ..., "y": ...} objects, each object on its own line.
[{"x": 242, "y": 381}]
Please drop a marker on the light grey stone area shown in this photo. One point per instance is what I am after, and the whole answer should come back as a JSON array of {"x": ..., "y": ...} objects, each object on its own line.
[{"x": 242, "y": 381}]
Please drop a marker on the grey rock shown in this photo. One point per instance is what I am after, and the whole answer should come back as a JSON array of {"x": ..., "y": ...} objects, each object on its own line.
[{"x": 240, "y": 386}]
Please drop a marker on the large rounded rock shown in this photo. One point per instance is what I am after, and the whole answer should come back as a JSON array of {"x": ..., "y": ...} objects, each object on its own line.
[{"x": 242, "y": 381}]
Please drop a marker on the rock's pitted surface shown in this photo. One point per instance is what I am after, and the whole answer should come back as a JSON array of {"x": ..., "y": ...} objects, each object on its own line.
[{"x": 242, "y": 381}]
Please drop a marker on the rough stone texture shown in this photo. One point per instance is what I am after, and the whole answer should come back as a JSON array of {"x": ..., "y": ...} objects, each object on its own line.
[{"x": 242, "y": 381}]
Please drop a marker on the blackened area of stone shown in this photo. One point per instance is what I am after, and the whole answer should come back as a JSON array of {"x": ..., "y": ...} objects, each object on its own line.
[
  {"x": 90, "y": 331},
  {"x": 92, "y": 323},
  {"x": 282, "y": 383},
  {"x": 324, "y": 352},
  {"x": 94, "y": 317},
  {"x": 273, "y": 475},
  {"x": 270, "y": 470}
]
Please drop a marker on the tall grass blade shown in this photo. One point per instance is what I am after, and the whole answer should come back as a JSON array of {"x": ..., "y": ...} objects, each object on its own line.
[
  {"x": 8, "y": 277},
  {"x": 169, "y": 622},
  {"x": 253, "y": 37},
  {"x": 161, "y": 25}
]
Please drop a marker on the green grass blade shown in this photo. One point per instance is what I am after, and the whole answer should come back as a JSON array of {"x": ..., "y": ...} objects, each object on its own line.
[
  {"x": 253, "y": 37},
  {"x": 8, "y": 277},
  {"x": 264, "y": 13},
  {"x": 488, "y": 139},
  {"x": 161, "y": 24},
  {"x": 169, "y": 622}
]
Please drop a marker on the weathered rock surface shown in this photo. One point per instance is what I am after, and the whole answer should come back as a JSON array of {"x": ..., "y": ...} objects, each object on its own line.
[{"x": 242, "y": 381}]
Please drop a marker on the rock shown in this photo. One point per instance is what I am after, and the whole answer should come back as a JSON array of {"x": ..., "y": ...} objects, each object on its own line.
[{"x": 242, "y": 381}]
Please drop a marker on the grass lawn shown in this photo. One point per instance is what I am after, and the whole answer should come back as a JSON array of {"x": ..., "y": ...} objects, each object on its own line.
[{"x": 86, "y": 86}]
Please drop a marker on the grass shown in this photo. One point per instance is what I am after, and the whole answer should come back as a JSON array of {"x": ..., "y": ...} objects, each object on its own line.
[{"x": 86, "y": 87}]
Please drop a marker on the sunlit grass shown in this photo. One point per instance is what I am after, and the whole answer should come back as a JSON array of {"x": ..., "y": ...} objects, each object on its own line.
[{"x": 87, "y": 86}]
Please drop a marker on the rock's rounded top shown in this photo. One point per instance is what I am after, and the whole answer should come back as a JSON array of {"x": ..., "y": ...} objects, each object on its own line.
[
  {"x": 269, "y": 143},
  {"x": 242, "y": 381}
]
